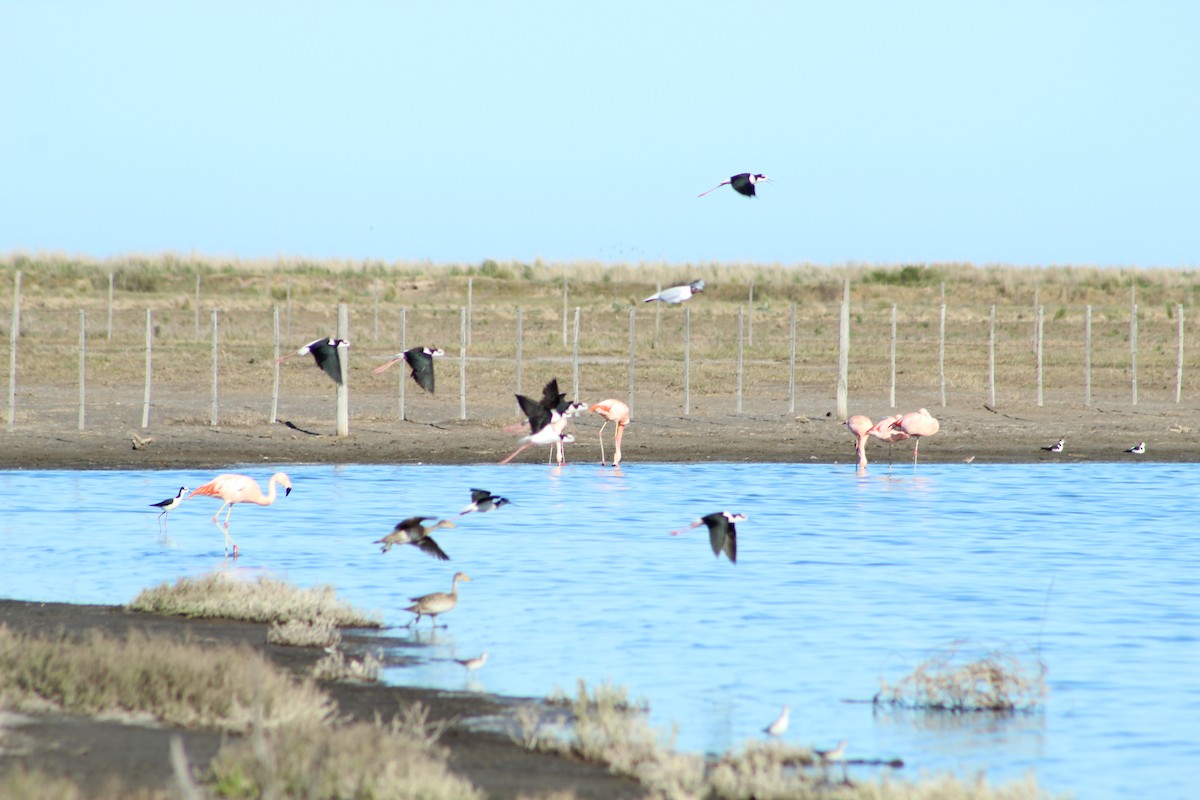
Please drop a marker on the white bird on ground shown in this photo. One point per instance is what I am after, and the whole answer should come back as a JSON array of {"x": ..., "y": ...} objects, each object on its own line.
[
  {"x": 1137, "y": 449},
  {"x": 1057, "y": 447},
  {"x": 676, "y": 294}
]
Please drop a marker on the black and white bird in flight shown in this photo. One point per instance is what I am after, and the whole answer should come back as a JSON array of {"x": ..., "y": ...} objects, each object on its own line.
[
  {"x": 547, "y": 419},
  {"x": 420, "y": 359},
  {"x": 676, "y": 294},
  {"x": 742, "y": 183},
  {"x": 327, "y": 353},
  {"x": 722, "y": 533},
  {"x": 482, "y": 501}
]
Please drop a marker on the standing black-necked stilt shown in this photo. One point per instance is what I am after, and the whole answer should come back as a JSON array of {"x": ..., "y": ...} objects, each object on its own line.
[
  {"x": 1137, "y": 449},
  {"x": 421, "y": 361},
  {"x": 170, "y": 504},
  {"x": 430, "y": 605},
  {"x": 1057, "y": 447},
  {"x": 483, "y": 501},
  {"x": 557, "y": 402},
  {"x": 722, "y": 533},
  {"x": 742, "y": 183},
  {"x": 676, "y": 294},
  {"x": 412, "y": 531},
  {"x": 327, "y": 353},
  {"x": 545, "y": 422}
]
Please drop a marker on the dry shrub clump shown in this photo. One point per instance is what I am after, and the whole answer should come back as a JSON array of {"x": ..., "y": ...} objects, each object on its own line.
[
  {"x": 400, "y": 759},
  {"x": 950, "y": 680},
  {"x": 337, "y": 667},
  {"x": 321, "y": 632},
  {"x": 20, "y": 783},
  {"x": 222, "y": 687},
  {"x": 264, "y": 600}
]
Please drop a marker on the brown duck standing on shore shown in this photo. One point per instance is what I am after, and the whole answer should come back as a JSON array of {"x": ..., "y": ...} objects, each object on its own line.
[{"x": 430, "y": 605}]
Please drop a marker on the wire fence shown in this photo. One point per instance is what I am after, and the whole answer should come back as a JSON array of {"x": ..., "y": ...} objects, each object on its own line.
[{"x": 136, "y": 360}]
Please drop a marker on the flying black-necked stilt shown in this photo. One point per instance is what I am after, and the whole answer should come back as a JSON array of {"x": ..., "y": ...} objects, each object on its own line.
[
  {"x": 483, "y": 501},
  {"x": 420, "y": 359},
  {"x": 412, "y": 531},
  {"x": 722, "y": 533},
  {"x": 676, "y": 294},
  {"x": 1057, "y": 447},
  {"x": 431, "y": 605},
  {"x": 742, "y": 183},
  {"x": 1137, "y": 449},
  {"x": 327, "y": 353},
  {"x": 545, "y": 426},
  {"x": 170, "y": 504}
]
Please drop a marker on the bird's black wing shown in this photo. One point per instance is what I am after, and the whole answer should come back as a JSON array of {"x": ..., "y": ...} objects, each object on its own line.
[
  {"x": 422, "y": 368},
  {"x": 479, "y": 494},
  {"x": 742, "y": 185},
  {"x": 722, "y": 535},
  {"x": 731, "y": 543},
  {"x": 412, "y": 523},
  {"x": 327, "y": 358},
  {"x": 169, "y": 500},
  {"x": 538, "y": 414},
  {"x": 551, "y": 396},
  {"x": 430, "y": 547}
]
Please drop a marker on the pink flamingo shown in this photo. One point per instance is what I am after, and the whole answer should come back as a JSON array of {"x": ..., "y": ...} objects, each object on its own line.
[
  {"x": 859, "y": 426},
  {"x": 233, "y": 489},
  {"x": 617, "y": 412},
  {"x": 884, "y": 432},
  {"x": 917, "y": 424}
]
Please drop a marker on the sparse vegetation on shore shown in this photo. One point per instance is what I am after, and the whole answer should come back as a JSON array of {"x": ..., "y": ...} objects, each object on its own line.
[{"x": 961, "y": 678}]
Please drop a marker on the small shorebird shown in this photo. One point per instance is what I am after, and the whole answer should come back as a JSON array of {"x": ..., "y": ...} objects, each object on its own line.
[
  {"x": 483, "y": 501},
  {"x": 472, "y": 664},
  {"x": 780, "y": 725},
  {"x": 1137, "y": 449},
  {"x": 616, "y": 412},
  {"x": 1057, "y": 447},
  {"x": 742, "y": 183},
  {"x": 170, "y": 504},
  {"x": 234, "y": 489},
  {"x": 411, "y": 531},
  {"x": 420, "y": 359},
  {"x": 722, "y": 533},
  {"x": 836, "y": 754},
  {"x": 327, "y": 353},
  {"x": 676, "y": 294},
  {"x": 430, "y": 605}
]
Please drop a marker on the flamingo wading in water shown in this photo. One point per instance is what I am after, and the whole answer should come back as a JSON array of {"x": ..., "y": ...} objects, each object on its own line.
[
  {"x": 327, "y": 353},
  {"x": 232, "y": 489},
  {"x": 884, "y": 432},
  {"x": 917, "y": 424},
  {"x": 859, "y": 426},
  {"x": 618, "y": 413}
]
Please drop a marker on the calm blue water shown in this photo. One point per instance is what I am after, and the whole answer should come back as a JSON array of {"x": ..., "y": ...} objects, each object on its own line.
[{"x": 841, "y": 580}]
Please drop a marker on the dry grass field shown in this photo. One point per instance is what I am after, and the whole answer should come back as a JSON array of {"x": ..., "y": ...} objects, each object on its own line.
[{"x": 175, "y": 298}]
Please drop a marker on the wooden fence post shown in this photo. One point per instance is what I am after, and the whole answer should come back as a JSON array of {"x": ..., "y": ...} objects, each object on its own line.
[
  {"x": 1038, "y": 332},
  {"x": 14, "y": 333},
  {"x": 462, "y": 363},
  {"x": 82, "y": 368},
  {"x": 687, "y": 359},
  {"x": 146, "y": 395},
  {"x": 843, "y": 377},
  {"x": 1179, "y": 355},
  {"x": 575, "y": 359},
  {"x": 275, "y": 386},
  {"x": 792, "y": 364},
  {"x": 632, "y": 339},
  {"x": 942, "y": 350},
  {"x": 520, "y": 336},
  {"x": 741, "y": 314},
  {"x": 992, "y": 357},
  {"x": 215, "y": 406},
  {"x": 1133, "y": 331},
  {"x": 343, "y": 389},
  {"x": 1087, "y": 356},
  {"x": 892, "y": 359},
  {"x": 403, "y": 366}
]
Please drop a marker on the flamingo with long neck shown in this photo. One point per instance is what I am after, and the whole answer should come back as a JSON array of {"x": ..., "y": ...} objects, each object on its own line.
[
  {"x": 917, "y": 424},
  {"x": 233, "y": 489},
  {"x": 616, "y": 412},
  {"x": 859, "y": 427},
  {"x": 884, "y": 432}
]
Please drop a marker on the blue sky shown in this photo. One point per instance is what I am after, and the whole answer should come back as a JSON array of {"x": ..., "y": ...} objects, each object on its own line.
[{"x": 1028, "y": 133}]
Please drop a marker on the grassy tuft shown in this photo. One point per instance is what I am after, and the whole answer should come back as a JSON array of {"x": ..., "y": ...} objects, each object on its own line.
[
  {"x": 20, "y": 783},
  {"x": 950, "y": 680},
  {"x": 321, "y": 632},
  {"x": 264, "y": 600},
  {"x": 315, "y": 762},
  {"x": 337, "y": 667},
  {"x": 222, "y": 687}
]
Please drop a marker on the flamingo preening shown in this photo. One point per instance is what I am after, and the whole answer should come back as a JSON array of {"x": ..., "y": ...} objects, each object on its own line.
[
  {"x": 616, "y": 412},
  {"x": 917, "y": 425},
  {"x": 884, "y": 432},
  {"x": 327, "y": 353},
  {"x": 742, "y": 183},
  {"x": 232, "y": 489},
  {"x": 430, "y": 605},
  {"x": 859, "y": 427},
  {"x": 420, "y": 359},
  {"x": 722, "y": 533}
]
